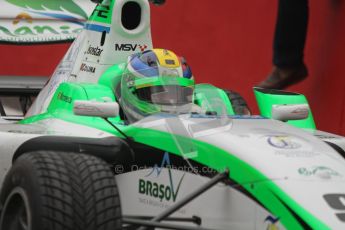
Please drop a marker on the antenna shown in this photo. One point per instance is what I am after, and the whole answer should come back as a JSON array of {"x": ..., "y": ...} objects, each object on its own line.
[{"x": 128, "y": 138}]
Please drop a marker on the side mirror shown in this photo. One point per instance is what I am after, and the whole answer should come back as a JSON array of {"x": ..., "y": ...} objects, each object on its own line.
[
  {"x": 290, "y": 112},
  {"x": 96, "y": 109}
]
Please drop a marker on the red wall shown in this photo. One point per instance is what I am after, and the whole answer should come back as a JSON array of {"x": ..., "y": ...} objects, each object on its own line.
[{"x": 228, "y": 43}]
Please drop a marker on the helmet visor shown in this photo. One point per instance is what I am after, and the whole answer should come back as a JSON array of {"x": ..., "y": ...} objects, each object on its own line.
[
  {"x": 166, "y": 95},
  {"x": 145, "y": 96}
]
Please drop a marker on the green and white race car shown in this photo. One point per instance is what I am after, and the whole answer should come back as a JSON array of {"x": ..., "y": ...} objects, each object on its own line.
[{"x": 121, "y": 137}]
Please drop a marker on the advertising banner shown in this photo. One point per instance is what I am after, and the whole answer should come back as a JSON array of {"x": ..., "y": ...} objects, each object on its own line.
[{"x": 42, "y": 21}]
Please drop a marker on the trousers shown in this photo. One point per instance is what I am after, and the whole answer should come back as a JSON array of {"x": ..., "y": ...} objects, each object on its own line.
[{"x": 290, "y": 33}]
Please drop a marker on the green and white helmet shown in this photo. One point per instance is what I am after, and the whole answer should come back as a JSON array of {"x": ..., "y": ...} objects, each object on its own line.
[{"x": 156, "y": 81}]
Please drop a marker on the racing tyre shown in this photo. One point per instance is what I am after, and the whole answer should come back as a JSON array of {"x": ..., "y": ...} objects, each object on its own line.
[
  {"x": 238, "y": 103},
  {"x": 48, "y": 190}
]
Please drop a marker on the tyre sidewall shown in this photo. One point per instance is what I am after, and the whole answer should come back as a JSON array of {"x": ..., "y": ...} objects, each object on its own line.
[{"x": 23, "y": 175}]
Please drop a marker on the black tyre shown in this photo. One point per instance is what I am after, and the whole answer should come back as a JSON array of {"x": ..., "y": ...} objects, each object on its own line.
[
  {"x": 59, "y": 191},
  {"x": 238, "y": 103}
]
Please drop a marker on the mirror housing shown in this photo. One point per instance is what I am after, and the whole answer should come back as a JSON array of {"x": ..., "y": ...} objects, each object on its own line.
[
  {"x": 290, "y": 112},
  {"x": 266, "y": 98},
  {"x": 96, "y": 109}
]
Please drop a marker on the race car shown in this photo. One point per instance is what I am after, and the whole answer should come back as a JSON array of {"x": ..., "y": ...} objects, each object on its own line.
[{"x": 122, "y": 137}]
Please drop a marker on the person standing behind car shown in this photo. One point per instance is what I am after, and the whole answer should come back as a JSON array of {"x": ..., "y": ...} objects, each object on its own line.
[{"x": 288, "y": 48}]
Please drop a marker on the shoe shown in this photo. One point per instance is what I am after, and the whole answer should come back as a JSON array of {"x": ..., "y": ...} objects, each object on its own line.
[{"x": 281, "y": 78}]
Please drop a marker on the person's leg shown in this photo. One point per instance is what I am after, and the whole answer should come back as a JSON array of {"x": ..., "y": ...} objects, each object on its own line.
[
  {"x": 288, "y": 47},
  {"x": 290, "y": 33}
]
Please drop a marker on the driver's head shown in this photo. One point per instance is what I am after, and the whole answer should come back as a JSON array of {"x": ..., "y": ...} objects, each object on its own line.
[{"x": 158, "y": 79}]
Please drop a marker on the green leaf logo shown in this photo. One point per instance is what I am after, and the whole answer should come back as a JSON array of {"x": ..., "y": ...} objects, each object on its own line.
[{"x": 46, "y": 5}]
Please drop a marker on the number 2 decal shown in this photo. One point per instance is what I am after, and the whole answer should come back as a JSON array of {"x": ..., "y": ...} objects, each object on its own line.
[{"x": 337, "y": 202}]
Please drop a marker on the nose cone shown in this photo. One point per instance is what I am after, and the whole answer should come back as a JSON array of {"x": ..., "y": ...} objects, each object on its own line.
[{"x": 301, "y": 171}]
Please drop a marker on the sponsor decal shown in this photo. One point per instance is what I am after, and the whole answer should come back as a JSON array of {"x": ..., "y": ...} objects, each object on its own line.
[
  {"x": 87, "y": 68},
  {"x": 26, "y": 131},
  {"x": 36, "y": 30},
  {"x": 323, "y": 136},
  {"x": 95, "y": 51},
  {"x": 318, "y": 170},
  {"x": 39, "y": 6},
  {"x": 142, "y": 47},
  {"x": 337, "y": 202},
  {"x": 301, "y": 111},
  {"x": 170, "y": 62},
  {"x": 286, "y": 144},
  {"x": 22, "y": 16},
  {"x": 25, "y": 29},
  {"x": 272, "y": 223},
  {"x": 130, "y": 47},
  {"x": 283, "y": 142},
  {"x": 64, "y": 98},
  {"x": 162, "y": 191},
  {"x": 89, "y": 108},
  {"x": 161, "y": 205},
  {"x": 297, "y": 153}
]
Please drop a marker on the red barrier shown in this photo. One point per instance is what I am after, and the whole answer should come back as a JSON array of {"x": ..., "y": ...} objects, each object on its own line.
[{"x": 228, "y": 43}]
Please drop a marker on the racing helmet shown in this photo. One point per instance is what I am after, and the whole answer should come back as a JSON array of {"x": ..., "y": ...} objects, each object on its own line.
[{"x": 156, "y": 81}]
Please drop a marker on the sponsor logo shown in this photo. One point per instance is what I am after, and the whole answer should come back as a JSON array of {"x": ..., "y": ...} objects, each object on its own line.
[
  {"x": 87, "y": 68},
  {"x": 22, "y": 16},
  {"x": 318, "y": 170},
  {"x": 170, "y": 62},
  {"x": 162, "y": 191},
  {"x": 39, "y": 30},
  {"x": 336, "y": 201},
  {"x": 283, "y": 142},
  {"x": 95, "y": 51},
  {"x": 297, "y": 153},
  {"x": 64, "y": 98},
  {"x": 43, "y": 6},
  {"x": 142, "y": 47},
  {"x": 130, "y": 47},
  {"x": 322, "y": 136},
  {"x": 301, "y": 111},
  {"x": 156, "y": 190},
  {"x": 272, "y": 223},
  {"x": 24, "y": 25}
]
